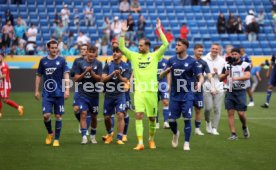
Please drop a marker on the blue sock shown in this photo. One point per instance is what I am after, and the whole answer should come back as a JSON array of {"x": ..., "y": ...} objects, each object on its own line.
[
  {"x": 187, "y": 130},
  {"x": 126, "y": 124},
  {"x": 197, "y": 124},
  {"x": 77, "y": 115},
  {"x": 173, "y": 126},
  {"x": 58, "y": 128},
  {"x": 109, "y": 131},
  {"x": 119, "y": 136},
  {"x": 93, "y": 131},
  {"x": 88, "y": 120},
  {"x": 166, "y": 113},
  {"x": 251, "y": 99},
  {"x": 112, "y": 121},
  {"x": 268, "y": 96},
  {"x": 83, "y": 131},
  {"x": 48, "y": 125}
]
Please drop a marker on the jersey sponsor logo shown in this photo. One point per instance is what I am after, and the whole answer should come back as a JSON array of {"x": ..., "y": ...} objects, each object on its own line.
[
  {"x": 50, "y": 71},
  {"x": 178, "y": 72},
  {"x": 143, "y": 64}
]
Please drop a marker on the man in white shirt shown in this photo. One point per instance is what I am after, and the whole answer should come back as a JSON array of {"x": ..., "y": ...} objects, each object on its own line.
[
  {"x": 116, "y": 27},
  {"x": 89, "y": 17},
  {"x": 32, "y": 33},
  {"x": 124, "y": 6},
  {"x": 83, "y": 39},
  {"x": 65, "y": 13},
  {"x": 214, "y": 97},
  {"x": 249, "y": 18}
]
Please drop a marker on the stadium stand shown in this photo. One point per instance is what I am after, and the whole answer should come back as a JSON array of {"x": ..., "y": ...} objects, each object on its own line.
[{"x": 201, "y": 20}]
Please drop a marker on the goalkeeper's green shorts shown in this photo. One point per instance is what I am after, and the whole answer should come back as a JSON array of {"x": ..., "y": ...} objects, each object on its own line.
[{"x": 146, "y": 102}]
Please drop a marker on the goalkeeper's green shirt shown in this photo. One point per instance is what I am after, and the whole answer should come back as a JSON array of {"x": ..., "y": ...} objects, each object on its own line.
[{"x": 145, "y": 65}]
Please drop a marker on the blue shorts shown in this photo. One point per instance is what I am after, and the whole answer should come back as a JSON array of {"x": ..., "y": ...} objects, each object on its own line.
[
  {"x": 272, "y": 80},
  {"x": 163, "y": 91},
  {"x": 49, "y": 102},
  {"x": 89, "y": 104},
  {"x": 235, "y": 100},
  {"x": 128, "y": 100},
  {"x": 178, "y": 108},
  {"x": 198, "y": 100},
  {"x": 114, "y": 105},
  {"x": 76, "y": 99}
]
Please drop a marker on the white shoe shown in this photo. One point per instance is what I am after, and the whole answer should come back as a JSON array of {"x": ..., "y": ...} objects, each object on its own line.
[
  {"x": 166, "y": 125},
  {"x": 198, "y": 132},
  {"x": 214, "y": 131},
  {"x": 186, "y": 146},
  {"x": 175, "y": 139},
  {"x": 84, "y": 140},
  {"x": 93, "y": 139},
  {"x": 251, "y": 104},
  {"x": 157, "y": 126},
  {"x": 209, "y": 127}
]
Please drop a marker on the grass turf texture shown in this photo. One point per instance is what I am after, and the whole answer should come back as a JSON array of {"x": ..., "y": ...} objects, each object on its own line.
[{"x": 22, "y": 143}]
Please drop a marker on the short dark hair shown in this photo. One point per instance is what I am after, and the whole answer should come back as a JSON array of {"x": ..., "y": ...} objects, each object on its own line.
[
  {"x": 117, "y": 50},
  {"x": 156, "y": 47},
  {"x": 237, "y": 50},
  {"x": 184, "y": 41},
  {"x": 92, "y": 48},
  {"x": 147, "y": 42},
  {"x": 52, "y": 41},
  {"x": 85, "y": 45},
  {"x": 198, "y": 46}
]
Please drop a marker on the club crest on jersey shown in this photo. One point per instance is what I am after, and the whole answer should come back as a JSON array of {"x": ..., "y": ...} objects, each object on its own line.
[
  {"x": 149, "y": 58},
  {"x": 164, "y": 64},
  {"x": 178, "y": 72},
  {"x": 57, "y": 63},
  {"x": 50, "y": 71},
  {"x": 87, "y": 75},
  {"x": 186, "y": 64}
]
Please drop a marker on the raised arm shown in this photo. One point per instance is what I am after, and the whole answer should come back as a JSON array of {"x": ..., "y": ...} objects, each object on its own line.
[
  {"x": 160, "y": 52},
  {"x": 122, "y": 46}
]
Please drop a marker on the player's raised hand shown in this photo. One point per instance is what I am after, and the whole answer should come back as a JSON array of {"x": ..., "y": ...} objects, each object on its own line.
[
  {"x": 124, "y": 27},
  {"x": 88, "y": 69},
  {"x": 37, "y": 95},
  {"x": 158, "y": 23}
]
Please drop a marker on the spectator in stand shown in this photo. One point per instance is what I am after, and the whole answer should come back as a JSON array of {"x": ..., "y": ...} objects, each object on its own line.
[
  {"x": 107, "y": 26},
  {"x": 65, "y": 51},
  {"x": 98, "y": 45},
  {"x": 169, "y": 37},
  {"x": 274, "y": 20},
  {"x": 65, "y": 15},
  {"x": 7, "y": 34},
  {"x": 18, "y": 41},
  {"x": 60, "y": 31},
  {"x": 133, "y": 47},
  {"x": 104, "y": 42},
  {"x": 20, "y": 50},
  {"x": 71, "y": 38},
  {"x": 135, "y": 6},
  {"x": 116, "y": 27},
  {"x": 221, "y": 24},
  {"x": 130, "y": 32},
  {"x": 9, "y": 17},
  {"x": 252, "y": 31},
  {"x": 228, "y": 50},
  {"x": 60, "y": 45},
  {"x": 56, "y": 19},
  {"x": 260, "y": 19},
  {"x": 23, "y": 22},
  {"x": 30, "y": 48},
  {"x": 124, "y": 6},
  {"x": 238, "y": 25},
  {"x": 19, "y": 29},
  {"x": 13, "y": 50},
  {"x": 89, "y": 15},
  {"x": 32, "y": 33},
  {"x": 74, "y": 50},
  {"x": 83, "y": 39},
  {"x": 76, "y": 18},
  {"x": 205, "y": 2},
  {"x": 186, "y": 2},
  {"x": 39, "y": 51},
  {"x": 184, "y": 31},
  {"x": 249, "y": 18},
  {"x": 141, "y": 27},
  {"x": 231, "y": 29}
]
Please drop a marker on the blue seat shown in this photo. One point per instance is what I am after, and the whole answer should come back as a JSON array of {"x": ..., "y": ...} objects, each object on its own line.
[
  {"x": 267, "y": 51},
  {"x": 258, "y": 51}
]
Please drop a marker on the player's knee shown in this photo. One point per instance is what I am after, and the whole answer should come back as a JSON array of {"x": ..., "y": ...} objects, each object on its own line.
[
  {"x": 46, "y": 117},
  {"x": 76, "y": 109},
  {"x": 120, "y": 116},
  {"x": 58, "y": 117},
  {"x": 152, "y": 119},
  {"x": 107, "y": 117},
  {"x": 165, "y": 103},
  {"x": 139, "y": 116}
]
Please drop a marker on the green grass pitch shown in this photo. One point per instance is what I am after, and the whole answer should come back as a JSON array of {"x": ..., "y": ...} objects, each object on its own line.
[{"x": 22, "y": 143}]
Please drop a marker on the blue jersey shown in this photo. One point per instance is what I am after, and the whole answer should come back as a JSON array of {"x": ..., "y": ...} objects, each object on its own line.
[
  {"x": 246, "y": 58},
  {"x": 161, "y": 67},
  {"x": 273, "y": 62},
  {"x": 75, "y": 65},
  {"x": 52, "y": 71},
  {"x": 114, "y": 81},
  {"x": 182, "y": 77},
  {"x": 254, "y": 70},
  {"x": 204, "y": 68},
  {"x": 88, "y": 87}
]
